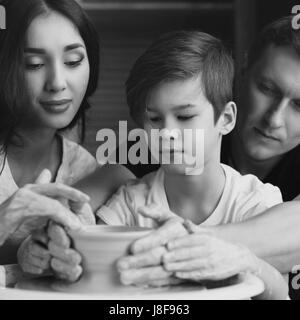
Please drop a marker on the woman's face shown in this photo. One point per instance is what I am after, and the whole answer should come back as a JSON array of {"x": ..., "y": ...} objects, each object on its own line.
[
  {"x": 269, "y": 117},
  {"x": 56, "y": 71}
]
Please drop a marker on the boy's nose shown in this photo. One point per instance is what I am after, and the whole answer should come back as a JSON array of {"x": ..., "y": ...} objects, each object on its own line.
[{"x": 56, "y": 80}]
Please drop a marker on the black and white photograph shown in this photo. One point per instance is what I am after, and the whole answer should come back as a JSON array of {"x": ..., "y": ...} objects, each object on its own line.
[{"x": 149, "y": 153}]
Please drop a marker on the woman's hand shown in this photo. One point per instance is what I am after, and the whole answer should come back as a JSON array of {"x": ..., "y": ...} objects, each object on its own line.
[
  {"x": 33, "y": 254},
  {"x": 65, "y": 261},
  {"x": 32, "y": 206}
]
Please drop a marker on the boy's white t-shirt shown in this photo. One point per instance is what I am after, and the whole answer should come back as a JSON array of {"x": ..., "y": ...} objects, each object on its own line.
[{"x": 244, "y": 196}]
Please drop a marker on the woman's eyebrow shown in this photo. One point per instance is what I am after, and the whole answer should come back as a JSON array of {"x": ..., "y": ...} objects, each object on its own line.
[
  {"x": 74, "y": 46},
  {"x": 35, "y": 50},
  {"x": 43, "y": 51}
]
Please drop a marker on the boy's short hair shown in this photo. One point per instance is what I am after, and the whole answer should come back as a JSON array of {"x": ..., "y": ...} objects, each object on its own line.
[
  {"x": 279, "y": 33},
  {"x": 181, "y": 55}
]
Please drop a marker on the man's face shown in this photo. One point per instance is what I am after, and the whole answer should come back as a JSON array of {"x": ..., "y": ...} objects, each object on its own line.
[{"x": 269, "y": 114}]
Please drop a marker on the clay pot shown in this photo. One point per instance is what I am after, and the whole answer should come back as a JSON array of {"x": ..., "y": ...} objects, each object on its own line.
[{"x": 100, "y": 247}]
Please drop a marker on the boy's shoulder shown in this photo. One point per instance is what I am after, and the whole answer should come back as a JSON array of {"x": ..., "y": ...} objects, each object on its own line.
[
  {"x": 247, "y": 183},
  {"x": 247, "y": 195}
]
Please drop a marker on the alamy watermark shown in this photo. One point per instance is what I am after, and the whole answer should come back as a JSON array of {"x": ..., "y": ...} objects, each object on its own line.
[
  {"x": 296, "y": 18},
  {"x": 295, "y": 280},
  {"x": 2, "y": 18},
  {"x": 176, "y": 147}
]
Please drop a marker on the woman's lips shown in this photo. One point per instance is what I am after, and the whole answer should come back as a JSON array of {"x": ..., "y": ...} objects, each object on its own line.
[{"x": 56, "y": 106}]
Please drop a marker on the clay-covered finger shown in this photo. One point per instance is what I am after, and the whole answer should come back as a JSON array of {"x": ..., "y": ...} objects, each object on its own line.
[
  {"x": 60, "y": 190},
  {"x": 37, "y": 250},
  {"x": 40, "y": 236},
  {"x": 143, "y": 275},
  {"x": 156, "y": 213},
  {"x": 29, "y": 268},
  {"x": 188, "y": 241},
  {"x": 150, "y": 258},
  {"x": 170, "y": 281},
  {"x": 188, "y": 265},
  {"x": 185, "y": 253},
  {"x": 58, "y": 235},
  {"x": 67, "y": 255},
  {"x": 170, "y": 230},
  {"x": 66, "y": 271}
]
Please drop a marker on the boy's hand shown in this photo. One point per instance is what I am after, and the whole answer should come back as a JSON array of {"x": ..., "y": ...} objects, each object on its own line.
[
  {"x": 144, "y": 266},
  {"x": 65, "y": 261}
]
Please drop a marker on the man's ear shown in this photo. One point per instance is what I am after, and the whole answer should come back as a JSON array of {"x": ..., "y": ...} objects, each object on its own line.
[{"x": 228, "y": 118}]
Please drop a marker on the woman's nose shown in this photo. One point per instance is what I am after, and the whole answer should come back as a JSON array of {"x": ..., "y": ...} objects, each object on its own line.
[
  {"x": 275, "y": 115},
  {"x": 56, "y": 80}
]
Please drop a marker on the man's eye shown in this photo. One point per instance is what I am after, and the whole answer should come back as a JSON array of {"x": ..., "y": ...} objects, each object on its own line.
[
  {"x": 296, "y": 105},
  {"x": 267, "y": 89},
  {"x": 185, "y": 118}
]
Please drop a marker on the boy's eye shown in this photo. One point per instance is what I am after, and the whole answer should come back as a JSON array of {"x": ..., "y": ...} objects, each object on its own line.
[
  {"x": 185, "y": 118},
  {"x": 154, "y": 119}
]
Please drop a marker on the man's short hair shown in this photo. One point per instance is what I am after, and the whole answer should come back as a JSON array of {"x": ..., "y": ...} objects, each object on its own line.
[
  {"x": 279, "y": 33},
  {"x": 182, "y": 55}
]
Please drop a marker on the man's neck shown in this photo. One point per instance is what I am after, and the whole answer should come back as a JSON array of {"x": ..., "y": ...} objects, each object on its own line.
[
  {"x": 196, "y": 197},
  {"x": 245, "y": 164}
]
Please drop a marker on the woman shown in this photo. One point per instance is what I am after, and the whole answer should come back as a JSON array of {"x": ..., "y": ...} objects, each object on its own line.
[{"x": 49, "y": 61}]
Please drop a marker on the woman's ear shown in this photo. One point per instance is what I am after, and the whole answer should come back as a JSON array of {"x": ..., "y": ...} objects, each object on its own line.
[{"x": 228, "y": 118}]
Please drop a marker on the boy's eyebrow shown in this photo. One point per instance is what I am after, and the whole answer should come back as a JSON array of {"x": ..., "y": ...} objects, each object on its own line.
[
  {"x": 43, "y": 51},
  {"x": 180, "y": 107}
]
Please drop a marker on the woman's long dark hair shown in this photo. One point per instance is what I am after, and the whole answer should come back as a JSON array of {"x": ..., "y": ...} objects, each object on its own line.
[{"x": 13, "y": 90}]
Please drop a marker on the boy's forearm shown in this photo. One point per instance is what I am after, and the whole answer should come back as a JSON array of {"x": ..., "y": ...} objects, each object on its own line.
[{"x": 273, "y": 236}]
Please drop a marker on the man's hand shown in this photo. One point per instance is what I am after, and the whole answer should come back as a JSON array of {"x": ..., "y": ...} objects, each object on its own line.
[{"x": 200, "y": 256}]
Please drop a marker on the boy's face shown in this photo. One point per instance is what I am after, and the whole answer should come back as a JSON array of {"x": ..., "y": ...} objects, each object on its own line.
[
  {"x": 269, "y": 117},
  {"x": 179, "y": 105}
]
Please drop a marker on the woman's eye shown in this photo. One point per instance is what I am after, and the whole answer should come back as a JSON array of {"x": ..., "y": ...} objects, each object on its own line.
[
  {"x": 34, "y": 66},
  {"x": 73, "y": 63},
  {"x": 185, "y": 118}
]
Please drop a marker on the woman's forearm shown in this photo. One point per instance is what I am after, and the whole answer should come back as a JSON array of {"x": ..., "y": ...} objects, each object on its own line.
[
  {"x": 273, "y": 236},
  {"x": 101, "y": 184}
]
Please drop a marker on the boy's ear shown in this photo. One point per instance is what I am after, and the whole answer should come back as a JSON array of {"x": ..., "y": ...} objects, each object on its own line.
[{"x": 228, "y": 118}]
